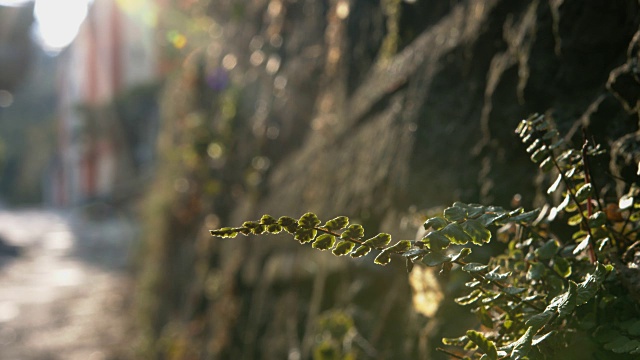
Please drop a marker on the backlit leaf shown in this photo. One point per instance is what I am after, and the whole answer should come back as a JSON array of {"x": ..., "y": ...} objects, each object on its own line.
[
  {"x": 540, "y": 338},
  {"x": 379, "y": 241},
  {"x": 495, "y": 275},
  {"x": 547, "y": 164},
  {"x": 537, "y": 321},
  {"x": 565, "y": 155},
  {"x": 522, "y": 126},
  {"x": 455, "y": 341},
  {"x": 522, "y": 346},
  {"x": 562, "y": 266},
  {"x": 464, "y": 252},
  {"x": 625, "y": 202},
  {"x": 224, "y": 232},
  {"x": 469, "y": 299},
  {"x": 516, "y": 212},
  {"x": 455, "y": 213},
  {"x": 251, "y": 224},
  {"x": 526, "y": 217},
  {"x": 455, "y": 233},
  {"x": 584, "y": 192},
  {"x": 309, "y": 220},
  {"x": 383, "y": 258},
  {"x": 474, "y": 267},
  {"x": 436, "y": 241},
  {"x": 580, "y": 234},
  {"x": 436, "y": 223},
  {"x": 477, "y": 232},
  {"x": 268, "y": 220},
  {"x": 597, "y": 219},
  {"x": 487, "y": 346},
  {"x": 490, "y": 218},
  {"x": 435, "y": 258},
  {"x": 360, "y": 251},
  {"x": 565, "y": 302},
  {"x": 582, "y": 245},
  {"x": 343, "y": 248},
  {"x": 288, "y": 223},
  {"x": 588, "y": 288},
  {"x": 258, "y": 229},
  {"x": 354, "y": 231},
  {"x": 415, "y": 253},
  {"x": 571, "y": 207},
  {"x": 575, "y": 220},
  {"x": 490, "y": 300},
  {"x": 555, "y": 185},
  {"x": 534, "y": 146},
  {"x": 475, "y": 210},
  {"x": 304, "y": 235},
  {"x": 338, "y": 223},
  {"x": 400, "y": 246},
  {"x": 324, "y": 242},
  {"x": 539, "y": 154},
  {"x": 564, "y": 203}
]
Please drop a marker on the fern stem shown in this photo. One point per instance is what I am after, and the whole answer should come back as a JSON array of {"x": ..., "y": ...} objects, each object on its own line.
[
  {"x": 587, "y": 180},
  {"x": 585, "y": 221},
  {"x": 353, "y": 240},
  {"x": 449, "y": 353}
]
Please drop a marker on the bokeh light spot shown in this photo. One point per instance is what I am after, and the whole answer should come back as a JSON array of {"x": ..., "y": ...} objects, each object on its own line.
[
  {"x": 6, "y": 98},
  {"x": 229, "y": 61}
]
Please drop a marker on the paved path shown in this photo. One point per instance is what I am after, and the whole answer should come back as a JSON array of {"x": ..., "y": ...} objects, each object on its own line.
[{"x": 64, "y": 286}]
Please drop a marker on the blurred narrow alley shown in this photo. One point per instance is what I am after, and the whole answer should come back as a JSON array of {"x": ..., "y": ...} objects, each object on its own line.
[{"x": 64, "y": 289}]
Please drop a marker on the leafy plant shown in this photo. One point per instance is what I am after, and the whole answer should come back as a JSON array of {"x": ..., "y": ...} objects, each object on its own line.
[{"x": 547, "y": 289}]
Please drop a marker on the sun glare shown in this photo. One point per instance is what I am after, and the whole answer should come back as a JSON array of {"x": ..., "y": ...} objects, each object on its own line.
[{"x": 58, "y": 21}]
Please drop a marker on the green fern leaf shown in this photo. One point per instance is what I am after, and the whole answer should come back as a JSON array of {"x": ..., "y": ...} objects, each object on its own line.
[
  {"x": 343, "y": 248},
  {"x": 324, "y": 242}
]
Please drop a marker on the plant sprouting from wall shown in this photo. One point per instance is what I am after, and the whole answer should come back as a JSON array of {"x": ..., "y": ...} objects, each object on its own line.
[{"x": 546, "y": 290}]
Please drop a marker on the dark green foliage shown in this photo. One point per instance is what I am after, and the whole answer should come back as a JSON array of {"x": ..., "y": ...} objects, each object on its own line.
[
  {"x": 545, "y": 287},
  {"x": 487, "y": 346}
]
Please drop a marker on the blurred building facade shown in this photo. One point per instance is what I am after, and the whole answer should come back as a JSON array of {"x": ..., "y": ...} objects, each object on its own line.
[
  {"x": 16, "y": 46},
  {"x": 104, "y": 146}
]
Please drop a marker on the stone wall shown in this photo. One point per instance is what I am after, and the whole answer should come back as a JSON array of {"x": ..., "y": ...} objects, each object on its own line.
[{"x": 375, "y": 110}]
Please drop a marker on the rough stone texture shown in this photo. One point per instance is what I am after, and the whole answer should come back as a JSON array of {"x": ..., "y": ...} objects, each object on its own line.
[{"x": 345, "y": 125}]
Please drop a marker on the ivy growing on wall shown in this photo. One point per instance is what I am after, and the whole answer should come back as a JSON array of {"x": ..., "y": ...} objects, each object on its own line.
[{"x": 545, "y": 288}]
